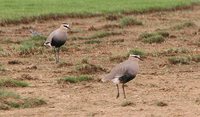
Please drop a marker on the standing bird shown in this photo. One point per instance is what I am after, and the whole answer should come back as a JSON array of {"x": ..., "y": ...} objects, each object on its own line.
[
  {"x": 57, "y": 38},
  {"x": 124, "y": 72}
]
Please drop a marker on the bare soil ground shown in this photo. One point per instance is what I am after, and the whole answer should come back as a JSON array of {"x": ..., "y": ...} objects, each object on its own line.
[{"x": 158, "y": 81}]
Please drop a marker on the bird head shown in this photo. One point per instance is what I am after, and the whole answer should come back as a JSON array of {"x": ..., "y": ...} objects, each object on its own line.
[
  {"x": 65, "y": 26},
  {"x": 136, "y": 56}
]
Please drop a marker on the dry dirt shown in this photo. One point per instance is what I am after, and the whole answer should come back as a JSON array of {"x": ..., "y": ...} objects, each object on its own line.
[{"x": 158, "y": 81}]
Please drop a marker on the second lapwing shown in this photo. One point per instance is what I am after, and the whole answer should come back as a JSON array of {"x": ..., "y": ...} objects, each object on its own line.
[
  {"x": 124, "y": 72},
  {"x": 57, "y": 38}
]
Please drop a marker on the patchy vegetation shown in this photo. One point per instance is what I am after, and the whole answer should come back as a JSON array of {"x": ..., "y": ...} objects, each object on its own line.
[
  {"x": 10, "y": 100},
  {"x": 113, "y": 17},
  {"x": 118, "y": 58},
  {"x": 93, "y": 42},
  {"x": 88, "y": 68},
  {"x": 117, "y": 41},
  {"x": 175, "y": 51},
  {"x": 184, "y": 59},
  {"x": 74, "y": 79},
  {"x": 31, "y": 45},
  {"x": 184, "y": 25},
  {"x": 179, "y": 60},
  {"x": 7, "y": 82},
  {"x": 2, "y": 68},
  {"x": 137, "y": 52},
  {"x": 155, "y": 37},
  {"x": 97, "y": 35},
  {"x": 127, "y": 21}
]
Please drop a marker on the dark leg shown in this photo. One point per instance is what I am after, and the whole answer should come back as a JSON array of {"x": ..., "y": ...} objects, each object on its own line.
[
  {"x": 117, "y": 90},
  {"x": 123, "y": 90}
]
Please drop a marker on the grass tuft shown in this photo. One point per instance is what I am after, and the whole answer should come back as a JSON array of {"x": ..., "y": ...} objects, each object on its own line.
[
  {"x": 74, "y": 79},
  {"x": 10, "y": 100},
  {"x": 196, "y": 58},
  {"x": 127, "y": 21},
  {"x": 184, "y": 25},
  {"x": 179, "y": 60},
  {"x": 174, "y": 51},
  {"x": 88, "y": 68},
  {"x": 137, "y": 52},
  {"x": 2, "y": 68},
  {"x": 118, "y": 58},
  {"x": 7, "y": 82},
  {"x": 31, "y": 45},
  {"x": 155, "y": 37}
]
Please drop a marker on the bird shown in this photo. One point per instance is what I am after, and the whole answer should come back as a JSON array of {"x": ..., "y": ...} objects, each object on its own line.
[
  {"x": 123, "y": 72},
  {"x": 57, "y": 38}
]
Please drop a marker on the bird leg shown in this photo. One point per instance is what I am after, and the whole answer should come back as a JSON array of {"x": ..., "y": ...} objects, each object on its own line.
[
  {"x": 55, "y": 54},
  {"x": 117, "y": 90},
  {"x": 123, "y": 90},
  {"x": 58, "y": 50}
]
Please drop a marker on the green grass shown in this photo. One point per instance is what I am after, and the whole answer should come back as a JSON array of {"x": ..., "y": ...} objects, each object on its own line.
[
  {"x": 7, "y": 82},
  {"x": 31, "y": 45},
  {"x": 187, "y": 59},
  {"x": 154, "y": 37},
  {"x": 74, "y": 79},
  {"x": 128, "y": 21},
  {"x": 137, "y": 52},
  {"x": 179, "y": 60},
  {"x": 10, "y": 100},
  {"x": 17, "y": 9},
  {"x": 174, "y": 51},
  {"x": 184, "y": 25},
  {"x": 2, "y": 68}
]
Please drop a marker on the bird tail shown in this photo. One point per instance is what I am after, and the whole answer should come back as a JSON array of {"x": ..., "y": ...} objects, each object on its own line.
[{"x": 104, "y": 78}]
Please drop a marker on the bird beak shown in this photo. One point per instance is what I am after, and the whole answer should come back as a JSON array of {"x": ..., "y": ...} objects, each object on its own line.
[
  {"x": 141, "y": 59},
  {"x": 47, "y": 44}
]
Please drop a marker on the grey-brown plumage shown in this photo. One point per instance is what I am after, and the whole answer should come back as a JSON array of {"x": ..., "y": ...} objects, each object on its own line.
[
  {"x": 123, "y": 72},
  {"x": 57, "y": 38}
]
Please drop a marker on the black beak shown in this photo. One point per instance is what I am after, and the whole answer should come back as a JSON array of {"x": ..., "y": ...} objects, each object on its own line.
[
  {"x": 67, "y": 27},
  {"x": 141, "y": 59}
]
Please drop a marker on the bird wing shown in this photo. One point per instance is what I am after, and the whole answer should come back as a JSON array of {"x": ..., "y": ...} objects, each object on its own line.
[
  {"x": 121, "y": 69},
  {"x": 117, "y": 71},
  {"x": 50, "y": 37}
]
